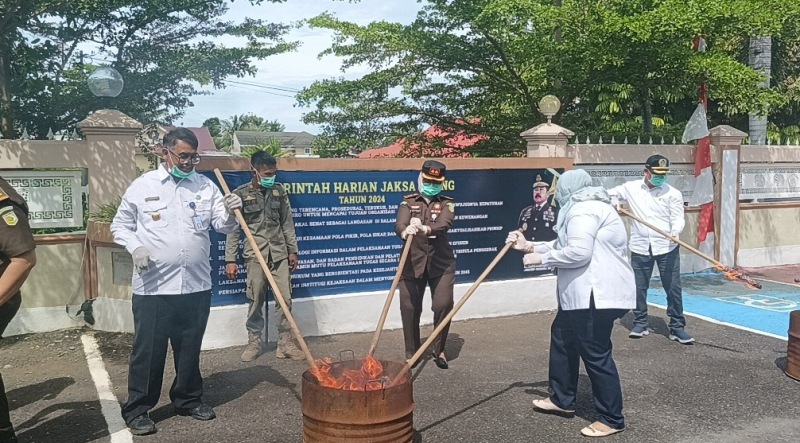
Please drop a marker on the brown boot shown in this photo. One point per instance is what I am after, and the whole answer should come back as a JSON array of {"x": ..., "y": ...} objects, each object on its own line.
[
  {"x": 253, "y": 349},
  {"x": 287, "y": 348}
]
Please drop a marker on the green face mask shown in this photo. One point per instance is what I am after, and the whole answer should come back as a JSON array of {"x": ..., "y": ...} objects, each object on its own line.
[
  {"x": 177, "y": 173},
  {"x": 431, "y": 190},
  {"x": 658, "y": 180},
  {"x": 267, "y": 182}
]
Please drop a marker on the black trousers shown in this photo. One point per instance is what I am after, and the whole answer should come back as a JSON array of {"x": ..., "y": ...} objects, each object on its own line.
[
  {"x": 411, "y": 292},
  {"x": 585, "y": 334},
  {"x": 7, "y": 313},
  {"x": 159, "y": 320}
]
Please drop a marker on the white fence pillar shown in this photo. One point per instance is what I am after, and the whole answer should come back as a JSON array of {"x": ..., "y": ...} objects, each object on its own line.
[{"x": 728, "y": 142}]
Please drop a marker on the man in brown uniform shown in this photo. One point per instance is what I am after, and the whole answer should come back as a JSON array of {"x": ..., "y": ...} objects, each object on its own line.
[
  {"x": 269, "y": 217},
  {"x": 427, "y": 216},
  {"x": 17, "y": 258}
]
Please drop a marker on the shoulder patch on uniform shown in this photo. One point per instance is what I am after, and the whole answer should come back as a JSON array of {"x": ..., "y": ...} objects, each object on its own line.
[
  {"x": 452, "y": 207},
  {"x": 9, "y": 216},
  {"x": 403, "y": 203}
]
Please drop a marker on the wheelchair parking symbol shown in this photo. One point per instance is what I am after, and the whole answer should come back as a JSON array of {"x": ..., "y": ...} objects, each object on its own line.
[{"x": 766, "y": 302}]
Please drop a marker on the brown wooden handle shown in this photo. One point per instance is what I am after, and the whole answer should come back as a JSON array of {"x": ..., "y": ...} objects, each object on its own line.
[
  {"x": 691, "y": 248},
  {"x": 410, "y": 362},
  {"x": 268, "y": 273},
  {"x": 389, "y": 298}
]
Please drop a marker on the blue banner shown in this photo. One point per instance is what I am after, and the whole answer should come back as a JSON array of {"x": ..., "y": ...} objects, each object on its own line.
[{"x": 344, "y": 222}]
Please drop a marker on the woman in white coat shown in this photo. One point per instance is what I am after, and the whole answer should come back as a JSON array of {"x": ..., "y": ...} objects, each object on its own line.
[{"x": 595, "y": 287}]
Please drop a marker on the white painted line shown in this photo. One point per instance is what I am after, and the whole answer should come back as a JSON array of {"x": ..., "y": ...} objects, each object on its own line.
[
  {"x": 109, "y": 405},
  {"x": 732, "y": 325}
]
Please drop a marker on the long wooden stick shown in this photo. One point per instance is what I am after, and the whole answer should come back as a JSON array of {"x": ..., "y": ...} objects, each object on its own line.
[
  {"x": 268, "y": 273},
  {"x": 390, "y": 297},
  {"x": 691, "y": 248},
  {"x": 410, "y": 362},
  {"x": 730, "y": 272}
]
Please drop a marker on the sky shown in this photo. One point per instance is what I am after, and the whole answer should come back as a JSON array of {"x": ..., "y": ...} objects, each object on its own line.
[{"x": 293, "y": 70}]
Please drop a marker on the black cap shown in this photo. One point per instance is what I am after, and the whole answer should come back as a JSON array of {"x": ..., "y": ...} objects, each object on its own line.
[
  {"x": 657, "y": 164},
  {"x": 433, "y": 170},
  {"x": 539, "y": 183}
]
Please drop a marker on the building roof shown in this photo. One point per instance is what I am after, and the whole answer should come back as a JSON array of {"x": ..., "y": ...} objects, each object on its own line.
[
  {"x": 436, "y": 142},
  {"x": 286, "y": 139}
]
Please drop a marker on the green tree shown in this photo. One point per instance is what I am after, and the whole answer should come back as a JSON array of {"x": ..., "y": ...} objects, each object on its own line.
[
  {"x": 165, "y": 50},
  {"x": 273, "y": 147},
  {"x": 482, "y": 65},
  {"x": 222, "y": 130}
]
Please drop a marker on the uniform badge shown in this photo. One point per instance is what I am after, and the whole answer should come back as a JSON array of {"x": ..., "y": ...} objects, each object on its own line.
[
  {"x": 403, "y": 203},
  {"x": 9, "y": 216},
  {"x": 276, "y": 193},
  {"x": 451, "y": 207},
  {"x": 156, "y": 216},
  {"x": 197, "y": 197},
  {"x": 524, "y": 226},
  {"x": 547, "y": 225},
  {"x": 437, "y": 205}
]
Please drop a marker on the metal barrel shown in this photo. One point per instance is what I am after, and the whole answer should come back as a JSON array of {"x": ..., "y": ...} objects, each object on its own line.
[
  {"x": 342, "y": 416},
  {"x": 793, "y": 348}
]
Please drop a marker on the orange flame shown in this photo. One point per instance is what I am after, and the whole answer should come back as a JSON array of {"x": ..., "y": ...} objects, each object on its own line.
[
  {"x": 734, "y": 275},
  {"x": 350, "y": 379}
]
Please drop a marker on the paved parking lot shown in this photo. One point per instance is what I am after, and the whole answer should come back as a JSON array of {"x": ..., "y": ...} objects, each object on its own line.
[{"x": 729, "y": 387}]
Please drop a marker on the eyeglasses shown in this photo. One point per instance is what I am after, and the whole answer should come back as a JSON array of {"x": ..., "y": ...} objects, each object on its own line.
[{"x": 186, "y": 159}]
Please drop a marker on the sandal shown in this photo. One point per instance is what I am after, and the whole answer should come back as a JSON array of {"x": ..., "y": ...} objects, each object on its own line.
[{"x": 596, "y": 430}]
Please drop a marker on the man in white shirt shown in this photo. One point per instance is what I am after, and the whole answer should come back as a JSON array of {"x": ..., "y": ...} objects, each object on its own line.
[
  {"x": 652, "y": 199},
  {"x": 163, "y": 221}
]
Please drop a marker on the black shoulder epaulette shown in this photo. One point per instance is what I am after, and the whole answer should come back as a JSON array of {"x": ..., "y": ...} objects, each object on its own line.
[{"x": 411, "y": 196}]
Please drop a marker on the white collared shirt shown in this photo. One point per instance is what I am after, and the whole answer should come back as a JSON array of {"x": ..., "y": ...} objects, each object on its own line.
[
  {"x": 593, "y": 261},
  {"x": 157, "y": 212},
  {"x": 661, "y": 206}
]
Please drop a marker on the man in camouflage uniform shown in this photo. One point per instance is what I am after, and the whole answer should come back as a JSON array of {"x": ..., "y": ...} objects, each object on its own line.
[
  {"x": 269, "y": 217},
  {"x": 17, "y": 258}
]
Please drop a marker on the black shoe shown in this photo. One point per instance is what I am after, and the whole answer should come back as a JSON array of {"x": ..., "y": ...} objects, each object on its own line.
[
  {"x": 142, "y": 425},
  {"x": 441, "y": 362},
  {"x": 202, "y": 412}
]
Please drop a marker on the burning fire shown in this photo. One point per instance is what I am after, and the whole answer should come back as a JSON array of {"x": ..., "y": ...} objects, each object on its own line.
[
  {"x": 362, "y": 379},
  {"x": 733, "y": 275}
]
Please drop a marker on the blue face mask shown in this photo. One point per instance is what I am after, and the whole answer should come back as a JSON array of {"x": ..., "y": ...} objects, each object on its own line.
[
  {"x": 177, "y": 173},
  {"x": 431, "y": 190},
  {"x": 658, "y": 180},
  {"x": 267, "y": 182}
]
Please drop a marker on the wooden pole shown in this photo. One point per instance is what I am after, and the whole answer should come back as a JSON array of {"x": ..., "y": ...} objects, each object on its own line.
[
  {"x": 691, "y": 248},
  {"x": 260, "y": 257},
  {"x": 410, "y": 362},
  {"x": 389, "y": 298}
]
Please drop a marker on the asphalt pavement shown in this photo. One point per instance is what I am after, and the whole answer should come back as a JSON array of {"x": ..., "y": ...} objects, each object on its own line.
[{"x": 728, "y": 387}]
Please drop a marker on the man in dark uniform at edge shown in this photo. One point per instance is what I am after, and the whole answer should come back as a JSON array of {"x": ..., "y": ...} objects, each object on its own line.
[
  {"x": 427, "y": 216},
  {"x": 17, "y": 258},
  {"x": 537, "y": 221}
]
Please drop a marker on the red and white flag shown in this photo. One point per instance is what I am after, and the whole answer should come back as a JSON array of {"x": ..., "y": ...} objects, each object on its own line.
[{"x": 703, "y": 196}]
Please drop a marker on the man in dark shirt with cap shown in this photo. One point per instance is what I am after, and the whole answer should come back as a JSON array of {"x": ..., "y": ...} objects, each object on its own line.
[
  {"x": 17, "y": 258},
  {"x": 538, "y": 220},
  {"x": 427, "y": 216}
]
